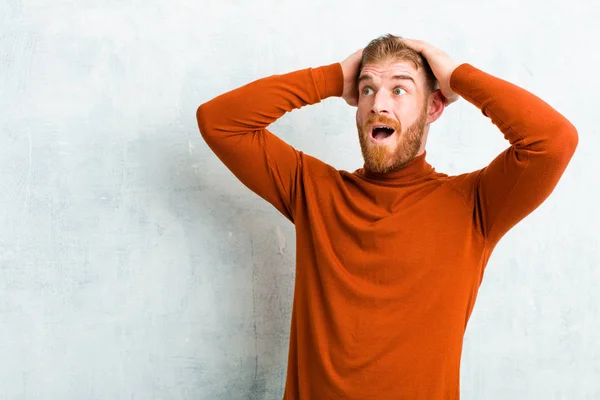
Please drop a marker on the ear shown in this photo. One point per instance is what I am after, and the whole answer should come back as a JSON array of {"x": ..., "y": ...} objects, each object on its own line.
[{"x": 436, "y": 104}]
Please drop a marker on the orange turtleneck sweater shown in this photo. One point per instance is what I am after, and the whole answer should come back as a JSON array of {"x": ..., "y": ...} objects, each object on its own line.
[{"x": 388, "y": 266}]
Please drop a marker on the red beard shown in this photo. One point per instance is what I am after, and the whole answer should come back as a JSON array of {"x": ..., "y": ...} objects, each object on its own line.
[{"x": 383, "y": 159}]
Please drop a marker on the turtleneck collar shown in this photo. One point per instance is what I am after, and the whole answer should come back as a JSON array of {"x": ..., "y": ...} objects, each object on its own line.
[{"x": 416, "y": 169}]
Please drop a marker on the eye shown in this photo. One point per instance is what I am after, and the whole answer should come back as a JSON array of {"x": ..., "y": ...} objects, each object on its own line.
[
  {"x": 367, "y": 91},
  {"x": 399, "y": 91}
]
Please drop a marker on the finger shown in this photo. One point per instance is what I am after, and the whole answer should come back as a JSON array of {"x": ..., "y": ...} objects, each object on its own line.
[
  {"x": 417, "y": 48},
  {"x": 417, "y": 45}
]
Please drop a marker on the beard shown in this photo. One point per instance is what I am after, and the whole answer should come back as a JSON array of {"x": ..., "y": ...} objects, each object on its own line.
[{"x": 384, "y": 158}]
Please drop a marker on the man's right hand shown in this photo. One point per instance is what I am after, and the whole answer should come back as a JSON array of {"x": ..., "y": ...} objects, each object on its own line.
[{"x": 350, "y": 70}]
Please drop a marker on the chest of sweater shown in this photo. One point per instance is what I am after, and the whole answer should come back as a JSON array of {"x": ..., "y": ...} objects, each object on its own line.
[
  {"x": 387, "y": 271},
  {"x": 390, "y": 236}
]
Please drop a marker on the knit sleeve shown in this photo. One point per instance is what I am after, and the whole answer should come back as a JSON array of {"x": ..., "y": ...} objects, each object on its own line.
[
  {"x": 541, "y": 144},
  {"x": 234, "y": 125}
]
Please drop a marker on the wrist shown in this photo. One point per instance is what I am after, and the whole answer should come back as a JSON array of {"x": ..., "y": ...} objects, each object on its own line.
[{"x": 329, "y": 80}]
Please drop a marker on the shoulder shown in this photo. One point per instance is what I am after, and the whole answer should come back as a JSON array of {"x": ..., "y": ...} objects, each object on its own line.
[{"x": 465, "y": 185}]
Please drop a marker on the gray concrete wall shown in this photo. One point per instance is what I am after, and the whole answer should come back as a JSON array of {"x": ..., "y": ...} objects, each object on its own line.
[{"x": 134, "y": 266}]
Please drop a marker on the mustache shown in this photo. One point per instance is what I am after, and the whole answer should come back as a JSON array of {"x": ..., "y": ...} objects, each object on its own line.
[{"x": 381, "y": 119}]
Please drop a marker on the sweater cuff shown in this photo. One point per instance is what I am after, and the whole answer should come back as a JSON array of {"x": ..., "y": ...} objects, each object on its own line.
[{"x": 329, "y": 80}]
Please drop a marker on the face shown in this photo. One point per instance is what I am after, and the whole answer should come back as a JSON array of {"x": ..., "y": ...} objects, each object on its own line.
[{"x": 392, "y": 115}]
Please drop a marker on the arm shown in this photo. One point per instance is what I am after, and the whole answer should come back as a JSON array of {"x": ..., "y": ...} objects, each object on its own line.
[
  {"x": 542, "y": 143},
  {"x": 234, "y": 127}
]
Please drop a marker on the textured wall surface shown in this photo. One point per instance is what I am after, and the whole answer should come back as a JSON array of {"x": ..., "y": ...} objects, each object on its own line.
[{"x": 134, "y": 266}]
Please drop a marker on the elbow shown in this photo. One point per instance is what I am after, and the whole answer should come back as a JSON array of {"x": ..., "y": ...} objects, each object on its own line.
[
  {"x": 563, "y": 142},
  {"x": 569, "y": 138},
  {"x": 574, "y": 138},
  {"x": 202, "y": 117}
]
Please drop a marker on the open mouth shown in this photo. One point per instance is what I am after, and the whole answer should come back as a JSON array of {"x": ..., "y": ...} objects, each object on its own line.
[{"x": 381, "y": 132}]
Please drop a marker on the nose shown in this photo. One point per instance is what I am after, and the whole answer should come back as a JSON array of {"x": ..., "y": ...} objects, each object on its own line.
[{"x": 381, "y": 104}]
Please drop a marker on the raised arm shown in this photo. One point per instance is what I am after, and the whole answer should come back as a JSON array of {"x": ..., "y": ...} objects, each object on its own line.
[
  {"x": 234, "y": 127},
  {"x": 542, "y": 143}
]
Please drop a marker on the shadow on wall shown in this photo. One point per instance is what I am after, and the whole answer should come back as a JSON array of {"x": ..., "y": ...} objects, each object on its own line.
[{"x": 241, "y": 274}]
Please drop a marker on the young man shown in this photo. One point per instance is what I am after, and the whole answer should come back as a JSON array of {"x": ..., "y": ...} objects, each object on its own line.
[{"x": 389, "y": 257}]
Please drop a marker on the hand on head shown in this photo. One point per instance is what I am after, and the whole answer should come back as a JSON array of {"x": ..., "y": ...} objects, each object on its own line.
[
  {"x": 350, "y": 68},
  {"x": 441, "y": 65}
]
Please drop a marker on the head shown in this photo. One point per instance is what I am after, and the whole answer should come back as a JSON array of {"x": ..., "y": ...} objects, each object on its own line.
[{"x": 398, "y": 99}]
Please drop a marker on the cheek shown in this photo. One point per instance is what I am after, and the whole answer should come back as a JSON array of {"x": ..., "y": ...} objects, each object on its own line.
[
  {"x": 405, "y": 117},
  {"x": 359, "y": 120},
  {"x": 410, "y": 111},
  {"x": 362, "y": 113}
]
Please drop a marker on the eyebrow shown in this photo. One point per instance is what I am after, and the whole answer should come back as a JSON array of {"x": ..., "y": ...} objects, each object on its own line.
[{"x": 367, "y": 77}]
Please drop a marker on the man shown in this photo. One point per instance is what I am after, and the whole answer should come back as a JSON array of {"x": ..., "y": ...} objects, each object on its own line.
[{"x": 389, "y": 257}]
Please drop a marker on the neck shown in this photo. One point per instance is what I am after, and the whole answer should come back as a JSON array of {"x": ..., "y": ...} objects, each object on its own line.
[{"x": 416, "y": 169}]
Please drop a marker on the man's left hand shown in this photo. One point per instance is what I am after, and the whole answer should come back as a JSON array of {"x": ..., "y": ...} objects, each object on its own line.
[{"x": 441, "y": 64}]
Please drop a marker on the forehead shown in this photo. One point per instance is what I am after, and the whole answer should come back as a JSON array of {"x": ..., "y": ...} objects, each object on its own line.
[{"x": 388, "y": 69}]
